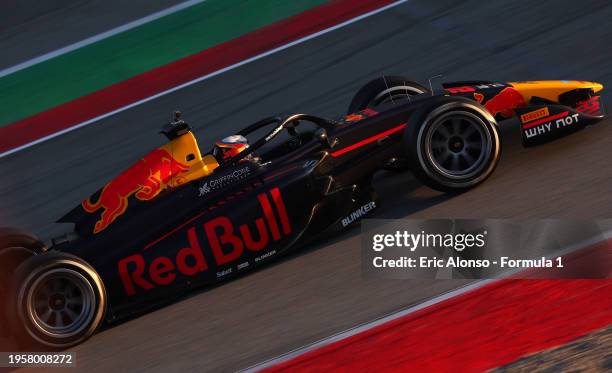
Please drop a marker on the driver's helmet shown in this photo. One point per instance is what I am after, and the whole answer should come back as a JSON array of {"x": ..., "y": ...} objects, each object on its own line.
[{"x": 230, "y": 147}]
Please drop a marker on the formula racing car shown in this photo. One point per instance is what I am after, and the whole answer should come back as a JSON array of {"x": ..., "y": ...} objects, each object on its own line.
[{"x": 180, "y": 219}]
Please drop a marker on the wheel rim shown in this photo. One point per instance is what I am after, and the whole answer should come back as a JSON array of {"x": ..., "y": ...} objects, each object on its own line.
[
  {"x": 395, "y": 93},
  {"x": 458, "y": 145},
  {"x": 61, "y": 303}
]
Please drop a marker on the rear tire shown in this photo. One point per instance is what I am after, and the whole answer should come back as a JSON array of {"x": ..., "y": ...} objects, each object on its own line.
[
  {"x": 15, "y": 247},
  {"x": 452, "y": 145},
  {"x": 55, "y": 300},
  {"x": 3, "y": 321}
]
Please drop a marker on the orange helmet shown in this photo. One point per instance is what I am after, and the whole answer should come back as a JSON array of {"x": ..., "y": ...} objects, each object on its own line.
[{"x": 230, "y": 147}]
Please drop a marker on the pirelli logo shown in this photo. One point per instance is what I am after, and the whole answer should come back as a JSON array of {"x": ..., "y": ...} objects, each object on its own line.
[{"x": 533, "y": 115}]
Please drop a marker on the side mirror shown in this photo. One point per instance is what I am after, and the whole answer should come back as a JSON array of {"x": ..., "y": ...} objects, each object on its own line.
[{"x": 321, "y": 134}]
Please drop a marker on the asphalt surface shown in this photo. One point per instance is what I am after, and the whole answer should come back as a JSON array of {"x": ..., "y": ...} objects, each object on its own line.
[
  {"x": 320, "y": 291},
  {"x": 30, "y": 28}
]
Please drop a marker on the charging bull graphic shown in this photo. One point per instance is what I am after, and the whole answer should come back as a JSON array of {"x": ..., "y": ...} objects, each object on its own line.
[
  {"x": 145, "y": 179},
  {"x": 503, "y": 103}
]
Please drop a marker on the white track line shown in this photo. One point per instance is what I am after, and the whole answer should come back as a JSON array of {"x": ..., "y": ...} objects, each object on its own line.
[
  {"x": 361, "y": 328},
  {"x": 407, "y": 311},
  {"x": 98, "y": 37},
  {"x": 205, "y": 77}
]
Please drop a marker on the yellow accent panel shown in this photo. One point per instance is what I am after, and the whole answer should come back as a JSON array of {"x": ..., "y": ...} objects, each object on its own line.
[
  {"x": 202, "y": 168},
  {"x": 551, "y": 89},
  {"x": 184, "y": 147}
]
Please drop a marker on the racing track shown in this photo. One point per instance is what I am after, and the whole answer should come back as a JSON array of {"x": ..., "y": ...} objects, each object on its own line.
[
  {"x": 30, "y": 28},
  {"x": 319, "y": 291}
]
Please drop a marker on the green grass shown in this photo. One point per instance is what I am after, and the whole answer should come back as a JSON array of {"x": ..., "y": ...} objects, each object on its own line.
[{"x": 136, "y": 51}]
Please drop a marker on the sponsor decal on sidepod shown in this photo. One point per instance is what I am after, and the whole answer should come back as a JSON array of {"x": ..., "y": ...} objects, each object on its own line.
[
  {"x": 359, "y": 213},
  {"x": 138, "y": 274},
  {"x": 219, "y": 182}
]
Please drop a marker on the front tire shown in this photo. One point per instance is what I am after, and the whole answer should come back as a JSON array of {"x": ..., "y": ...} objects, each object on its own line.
[
  {"x": 452, "y": 145},
  {"x": 383, "y": 90},
  {"x": 55, "y": 301}
]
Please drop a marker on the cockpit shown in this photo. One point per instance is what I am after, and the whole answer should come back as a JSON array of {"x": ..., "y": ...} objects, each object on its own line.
[{"x": 236, "y": 148}]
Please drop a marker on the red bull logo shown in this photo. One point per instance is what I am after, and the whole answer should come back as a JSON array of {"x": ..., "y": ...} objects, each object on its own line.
[
  {"x": 503, "y": 103},
  {"x": 228, "y": 243},
  {"x": 145, "y": 180}
]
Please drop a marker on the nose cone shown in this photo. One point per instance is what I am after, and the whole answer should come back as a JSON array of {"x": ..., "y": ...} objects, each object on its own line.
[
  {"x": 596, "y": 86},
  {"x": 551, "y": 89}
]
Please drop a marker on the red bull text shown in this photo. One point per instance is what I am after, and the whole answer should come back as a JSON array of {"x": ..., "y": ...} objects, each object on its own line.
[{"x": 226, "y": 241}]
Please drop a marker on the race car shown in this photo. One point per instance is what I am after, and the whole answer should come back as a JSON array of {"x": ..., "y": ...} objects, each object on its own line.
[{"x": 179, "y": 219}]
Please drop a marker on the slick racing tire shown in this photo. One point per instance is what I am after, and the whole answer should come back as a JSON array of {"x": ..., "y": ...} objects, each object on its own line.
[
  {"x": 4, "y": 332},
  {"x": 55, "y": 301},
  {"x": 453, "y": 144},
  {"x": 15, "y": 246},
  {"x": 383, "y": 90}
]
